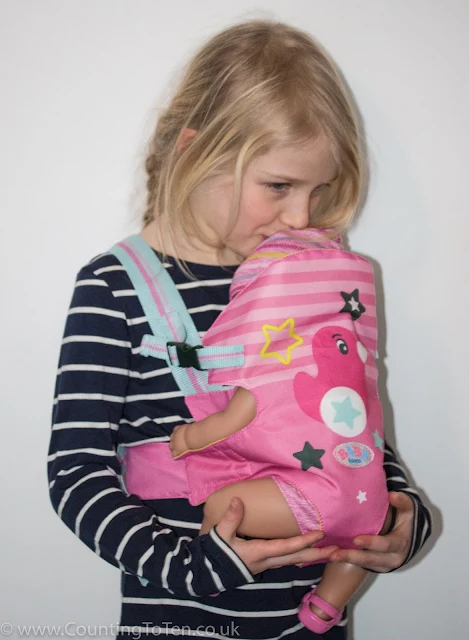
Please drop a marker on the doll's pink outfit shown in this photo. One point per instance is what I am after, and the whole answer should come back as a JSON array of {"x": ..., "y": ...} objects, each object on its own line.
[{"x": 305, "y": 311}]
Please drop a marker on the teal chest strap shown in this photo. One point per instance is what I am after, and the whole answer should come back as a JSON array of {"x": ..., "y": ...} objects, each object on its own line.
[{"x": 174, "y": 337}]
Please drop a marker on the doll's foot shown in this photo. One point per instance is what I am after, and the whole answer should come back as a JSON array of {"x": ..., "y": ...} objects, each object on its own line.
[{"x": 313, "y": 620}]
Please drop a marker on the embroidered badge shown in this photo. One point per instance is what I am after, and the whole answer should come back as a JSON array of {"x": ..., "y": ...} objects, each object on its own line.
[
  {"x": 352, "y": 304},
  {"x": 309, "y": 457},
  {"x": 353, "y": 454}
]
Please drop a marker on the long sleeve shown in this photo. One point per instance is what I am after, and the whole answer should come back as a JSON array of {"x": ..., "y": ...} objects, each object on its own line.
[
  {"x": 84, "y": 470},
  {"x": 397, "y": 481}
]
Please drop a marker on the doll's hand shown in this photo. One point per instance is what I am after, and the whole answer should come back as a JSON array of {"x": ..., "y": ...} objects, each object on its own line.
[
  {"x": 259, "y": 555},
  {"x": 387, "y": 552},
  {"x": 178, "y": 440}
]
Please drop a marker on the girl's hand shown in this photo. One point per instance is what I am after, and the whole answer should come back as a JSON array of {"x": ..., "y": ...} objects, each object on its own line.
[
  {"x": 388, "y": 552},
  {"x": 259, "y": 555},
  {"x": 178, "y": 440}
]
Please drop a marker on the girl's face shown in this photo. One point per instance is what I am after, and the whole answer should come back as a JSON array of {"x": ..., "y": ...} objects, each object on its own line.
[{"x": 279, "y": 191}]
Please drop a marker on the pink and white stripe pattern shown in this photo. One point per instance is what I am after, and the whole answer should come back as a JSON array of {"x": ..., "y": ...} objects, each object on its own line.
[
  {"x": 278, "y": 246},
  {"x": 304, "y": 286}
]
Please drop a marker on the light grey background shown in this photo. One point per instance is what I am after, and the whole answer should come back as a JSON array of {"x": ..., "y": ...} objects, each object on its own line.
[{"x": 79, "y": 82}]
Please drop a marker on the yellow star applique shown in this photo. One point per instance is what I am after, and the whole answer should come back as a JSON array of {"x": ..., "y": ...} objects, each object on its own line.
[{"x": 297, "y": 340}]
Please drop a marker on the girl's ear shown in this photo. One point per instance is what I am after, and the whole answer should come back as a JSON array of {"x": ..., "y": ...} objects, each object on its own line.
[{"x": 185, "y": 138}]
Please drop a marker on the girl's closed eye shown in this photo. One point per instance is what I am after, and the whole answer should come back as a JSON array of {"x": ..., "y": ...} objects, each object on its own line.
[
  {"x": 281, "y": 188},
  {"x": 278, "y": 187}
]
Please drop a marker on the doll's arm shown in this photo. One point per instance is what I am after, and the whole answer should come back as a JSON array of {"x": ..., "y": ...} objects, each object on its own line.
[{"x": 240, "y": 411}]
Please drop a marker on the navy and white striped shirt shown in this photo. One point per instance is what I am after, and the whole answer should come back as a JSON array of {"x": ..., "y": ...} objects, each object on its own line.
[{"x": 107, "y": 394}]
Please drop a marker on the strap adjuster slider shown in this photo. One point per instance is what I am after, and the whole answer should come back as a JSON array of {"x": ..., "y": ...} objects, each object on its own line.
[{"x": 187, "y": 355}]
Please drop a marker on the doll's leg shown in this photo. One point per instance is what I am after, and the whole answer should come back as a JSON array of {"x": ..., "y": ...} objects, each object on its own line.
[
  {"x": 338, "y": 584},
  {"x": 266, "y": 512}
]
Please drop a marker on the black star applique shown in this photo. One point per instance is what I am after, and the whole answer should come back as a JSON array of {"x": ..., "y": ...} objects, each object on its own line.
[
  {"x": 352, "y": 304},
  {"x": 310, "y": 457}
]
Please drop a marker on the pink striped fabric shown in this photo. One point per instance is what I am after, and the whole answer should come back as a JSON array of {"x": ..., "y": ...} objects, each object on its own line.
[
  {"x": 272, "y": 249},
  {"x": 304, "y": 286}
]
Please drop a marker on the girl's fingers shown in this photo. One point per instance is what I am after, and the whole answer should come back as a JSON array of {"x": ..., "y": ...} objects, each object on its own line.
[
  {"x": 259, "y": 555},
  {"x": 402, "y": 502},
  {"x": 378, "y": 544},
  {"x": 380, "y": 553},
  {"x": 286, "y": 546},
  {"x": 230, "y": 522},
  {"x": 381, "y": 562},
  {"x": 301, "y": 557}
]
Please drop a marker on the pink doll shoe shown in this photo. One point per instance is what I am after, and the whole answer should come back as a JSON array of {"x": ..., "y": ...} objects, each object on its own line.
[{"x": 313, "y": 622}]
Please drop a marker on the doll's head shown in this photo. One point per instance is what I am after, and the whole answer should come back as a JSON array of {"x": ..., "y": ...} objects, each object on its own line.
[{"x": 278, "y": 246}]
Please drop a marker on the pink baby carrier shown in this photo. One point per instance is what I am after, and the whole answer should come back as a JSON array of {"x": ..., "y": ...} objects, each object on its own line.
[{"x": 302, "y": 337}]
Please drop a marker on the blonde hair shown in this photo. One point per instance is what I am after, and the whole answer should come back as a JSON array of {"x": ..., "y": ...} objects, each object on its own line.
[{"x": 254, "y": 86}]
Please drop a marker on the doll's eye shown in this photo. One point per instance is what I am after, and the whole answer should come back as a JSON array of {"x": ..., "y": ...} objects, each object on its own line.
[{"x": 342, "y": 346}]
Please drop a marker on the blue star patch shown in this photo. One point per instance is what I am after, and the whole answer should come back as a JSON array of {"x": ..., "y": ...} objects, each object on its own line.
[
  {"x": 345, "y": 412},
  {"x": 379, "y": 442}
]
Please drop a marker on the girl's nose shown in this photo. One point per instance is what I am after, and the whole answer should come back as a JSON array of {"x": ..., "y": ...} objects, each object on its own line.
[{"x": 296, "y": 218}]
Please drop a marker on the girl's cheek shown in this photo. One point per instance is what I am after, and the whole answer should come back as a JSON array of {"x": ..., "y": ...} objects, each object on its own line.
[{"x": 260, "y": 213}]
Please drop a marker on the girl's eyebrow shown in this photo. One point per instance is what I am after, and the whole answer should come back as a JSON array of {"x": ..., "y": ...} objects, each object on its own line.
[{"x": 285, "y": 178}]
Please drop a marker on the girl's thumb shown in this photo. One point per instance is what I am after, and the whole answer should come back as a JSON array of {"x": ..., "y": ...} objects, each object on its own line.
[{"x": 230, "y": 522}]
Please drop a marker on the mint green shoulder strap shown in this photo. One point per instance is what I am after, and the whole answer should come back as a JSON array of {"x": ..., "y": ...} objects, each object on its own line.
[{"x": 174, "y": 336}]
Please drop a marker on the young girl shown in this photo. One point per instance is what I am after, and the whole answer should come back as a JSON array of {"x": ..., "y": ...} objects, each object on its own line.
[{"x": 258, "y": 139}]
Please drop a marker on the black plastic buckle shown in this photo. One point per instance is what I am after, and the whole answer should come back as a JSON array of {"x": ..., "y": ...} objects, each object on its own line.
[{"x": 186, "y": 354}]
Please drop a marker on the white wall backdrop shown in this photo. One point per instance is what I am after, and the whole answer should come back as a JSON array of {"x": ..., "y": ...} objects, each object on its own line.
[{"x": 79, "y": 82}]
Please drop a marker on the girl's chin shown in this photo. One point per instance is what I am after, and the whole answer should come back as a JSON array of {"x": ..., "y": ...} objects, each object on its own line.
[
  {"x": 231, "y": 256},
  {"x": 261, "y": 239},
  {"x": 242, "y": 250}
]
